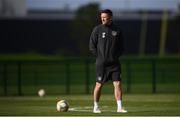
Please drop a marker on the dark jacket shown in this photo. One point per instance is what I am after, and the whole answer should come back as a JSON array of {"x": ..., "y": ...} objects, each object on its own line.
[{"x": 106, "y": 43}]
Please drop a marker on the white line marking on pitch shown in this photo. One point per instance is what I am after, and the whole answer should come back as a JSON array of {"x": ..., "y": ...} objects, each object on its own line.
[{"x": 88, "y": 109}]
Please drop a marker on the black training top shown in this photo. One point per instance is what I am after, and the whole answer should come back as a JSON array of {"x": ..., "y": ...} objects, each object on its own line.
[{"x": 106, "y": 43}]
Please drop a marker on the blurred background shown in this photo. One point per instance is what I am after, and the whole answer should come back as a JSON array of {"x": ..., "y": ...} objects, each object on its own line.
[
  {"x": 63, "y": 27},
  {"x": 44, "y": 44}
]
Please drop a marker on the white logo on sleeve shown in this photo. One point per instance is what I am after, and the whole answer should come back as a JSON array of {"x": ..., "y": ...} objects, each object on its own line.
[{"x": 103, "y": 35}]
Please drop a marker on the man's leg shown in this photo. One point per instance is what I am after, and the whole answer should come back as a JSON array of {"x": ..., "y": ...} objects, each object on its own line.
[
  {"x": 97, "y": 95},
  {"x": 118, "y": 96}
]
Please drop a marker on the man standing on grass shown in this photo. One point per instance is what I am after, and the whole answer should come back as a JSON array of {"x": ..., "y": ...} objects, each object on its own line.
[{"x": 106, "y": 43}]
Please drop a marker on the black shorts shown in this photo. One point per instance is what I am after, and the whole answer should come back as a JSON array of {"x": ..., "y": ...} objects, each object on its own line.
[{"x": 105, "y": 73}]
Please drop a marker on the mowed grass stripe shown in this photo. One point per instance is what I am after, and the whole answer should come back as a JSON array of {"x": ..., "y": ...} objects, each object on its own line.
[{"x": 136, "y": 104}]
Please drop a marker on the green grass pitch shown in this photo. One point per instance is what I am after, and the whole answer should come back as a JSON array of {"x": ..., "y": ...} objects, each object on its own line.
[{"x": 81, "y": 105}]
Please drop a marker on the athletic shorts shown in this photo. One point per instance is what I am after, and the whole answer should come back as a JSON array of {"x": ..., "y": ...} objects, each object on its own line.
[{"x": 105, "y": 73}]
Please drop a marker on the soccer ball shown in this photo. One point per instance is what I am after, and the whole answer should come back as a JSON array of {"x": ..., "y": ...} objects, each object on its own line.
[
  {"x": 62, "y": 106},
  {"x": 41, "y": 92}
]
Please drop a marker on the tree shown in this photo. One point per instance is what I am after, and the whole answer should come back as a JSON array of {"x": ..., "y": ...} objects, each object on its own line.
[{"x": 86, "y": 18}]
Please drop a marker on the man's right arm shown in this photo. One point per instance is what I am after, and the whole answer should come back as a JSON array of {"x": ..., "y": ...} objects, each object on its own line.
[{"x": 93, "y": 42}]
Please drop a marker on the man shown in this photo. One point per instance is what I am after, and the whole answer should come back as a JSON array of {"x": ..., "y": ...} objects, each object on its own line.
[{"x": 106, "y": 43}]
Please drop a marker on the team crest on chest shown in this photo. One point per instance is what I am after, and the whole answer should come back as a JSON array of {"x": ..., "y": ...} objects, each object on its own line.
[{"x": 114, "y": 33}]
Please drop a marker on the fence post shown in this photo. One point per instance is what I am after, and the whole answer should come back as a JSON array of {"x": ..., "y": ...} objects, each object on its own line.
[
  {"x": 5, "y": 79},
  {"x": 67, "y": 77},
  {"x": 153, "y": 76},
  {"x": 128, "y": 77},
  {"x": 19, "y": 80},
  {"x": 87, "y": 76}
]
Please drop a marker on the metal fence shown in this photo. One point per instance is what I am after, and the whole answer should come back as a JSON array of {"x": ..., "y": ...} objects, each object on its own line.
[{"x": 77, "y": 76}]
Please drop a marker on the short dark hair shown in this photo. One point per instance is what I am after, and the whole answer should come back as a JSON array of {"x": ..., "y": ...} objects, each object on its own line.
[{"x": 108, "y": 11}]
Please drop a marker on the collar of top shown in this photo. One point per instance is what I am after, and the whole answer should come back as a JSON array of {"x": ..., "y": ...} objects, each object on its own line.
[{"x": 108, "y": 25}]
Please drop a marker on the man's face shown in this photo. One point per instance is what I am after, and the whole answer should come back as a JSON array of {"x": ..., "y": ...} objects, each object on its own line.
[{"x": 105, "y": 18}]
